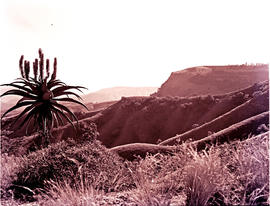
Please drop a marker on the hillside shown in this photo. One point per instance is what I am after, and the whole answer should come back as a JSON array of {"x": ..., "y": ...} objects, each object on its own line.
[
  {"x": 241, "y": 130},
  {"x": 153, "y": 119},
  {"x": 212, "y": 80}
]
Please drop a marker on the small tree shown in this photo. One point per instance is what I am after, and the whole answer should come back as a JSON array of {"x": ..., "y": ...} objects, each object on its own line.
[{"x": 41, "y": 95}]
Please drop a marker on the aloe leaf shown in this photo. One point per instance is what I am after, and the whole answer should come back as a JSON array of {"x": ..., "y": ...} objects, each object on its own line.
[
  {"x": 27, "y": 83},
  {"x": 63, "y": 88},
  {"x": 21, "y": 104},
  {"x": 19, "y": 93},
  {"x": 54, "y": 83},
  {"x": 68, "y": 93},
  {"x": 25, "y": 111},
  {"x": 71, "y": 100},
  {"x": 19, "y": 87},
  {"x": 29, "y": 116},
  {"x": 55, "y": 119},
  {"x": 23, "y": 99},
  {"x": 59, "y": 119},
  {"x": 65, "y": 109},
  {"x": 64, "y": 115}
]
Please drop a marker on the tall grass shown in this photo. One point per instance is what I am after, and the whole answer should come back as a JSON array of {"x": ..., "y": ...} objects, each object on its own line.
[
  {"x": 9, "y": 166},
  {"x": 62, "y": 194},
  {"x": 248, "y": 162},
  {"x": 204, "y": 177}
]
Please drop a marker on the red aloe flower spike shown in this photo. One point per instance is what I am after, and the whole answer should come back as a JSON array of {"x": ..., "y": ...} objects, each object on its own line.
[
  {"x": 41, "y": 64},
  {"x": 26, "y": 69},
  {"x": 47, "y": 68},
  {"x": 35, "y": 68},
  {"x": 40, "y": 52},
  {"x": 54, "y": 69},
  {"x": 21, "y": 66}
]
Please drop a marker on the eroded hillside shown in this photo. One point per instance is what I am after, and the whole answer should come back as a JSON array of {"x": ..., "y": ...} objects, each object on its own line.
[
  {"x": 153, "y": 119},
  {"x": 212, "y": 80}
]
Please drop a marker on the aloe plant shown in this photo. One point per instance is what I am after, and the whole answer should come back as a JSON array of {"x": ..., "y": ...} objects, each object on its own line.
[{"x": 41, "y": 96}]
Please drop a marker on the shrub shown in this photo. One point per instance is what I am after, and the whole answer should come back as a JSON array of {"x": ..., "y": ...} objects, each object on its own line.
[{"x": 66, "y": 161}]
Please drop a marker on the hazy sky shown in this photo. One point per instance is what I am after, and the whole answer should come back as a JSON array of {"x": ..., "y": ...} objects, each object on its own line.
[{"x": 110, "y": 43}]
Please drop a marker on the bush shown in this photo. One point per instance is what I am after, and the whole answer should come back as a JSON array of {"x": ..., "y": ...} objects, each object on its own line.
[
  {"x": 65, "y": 161},
  {"x": 24, "y": 145}
]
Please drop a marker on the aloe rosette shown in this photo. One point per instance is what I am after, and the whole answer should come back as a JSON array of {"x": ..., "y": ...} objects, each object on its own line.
[{"x": 42, "y": 96}]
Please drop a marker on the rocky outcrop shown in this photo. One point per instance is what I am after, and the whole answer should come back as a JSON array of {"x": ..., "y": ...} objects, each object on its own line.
[{"x": 212, "y": 80}]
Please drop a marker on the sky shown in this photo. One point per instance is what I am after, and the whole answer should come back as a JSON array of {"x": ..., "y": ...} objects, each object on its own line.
[{"x": 108, "y": 43}]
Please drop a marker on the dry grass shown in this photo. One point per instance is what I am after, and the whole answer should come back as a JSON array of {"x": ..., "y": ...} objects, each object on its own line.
[
  {"x": 231, "y": 174},
  {"x": 63, "y": 194},
  {"x": 248, "y": 162},
  {"x": 9, "y": 164},
  {"x": 204, "y": 177}
]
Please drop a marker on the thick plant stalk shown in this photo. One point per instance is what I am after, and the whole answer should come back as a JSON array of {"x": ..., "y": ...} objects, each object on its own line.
[
  {"x": 21, "y": 66},
  {"x": 41, "y": 65},
  {"x": 54, "y": 69},
  {"x": 26, "y": 69},
  {"x": 47, "y": 68},
  {"x": 35, "y": 68}
]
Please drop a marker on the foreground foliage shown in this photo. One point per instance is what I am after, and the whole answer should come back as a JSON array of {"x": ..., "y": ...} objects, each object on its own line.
[{"x": 88, "y": 174}]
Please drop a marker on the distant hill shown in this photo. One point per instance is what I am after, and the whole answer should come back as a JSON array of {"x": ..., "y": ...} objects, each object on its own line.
[
  {"x": 116, "y": 93},
  {"x": 212, "y": 80},
  {"x": 7, "y": 101}
]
